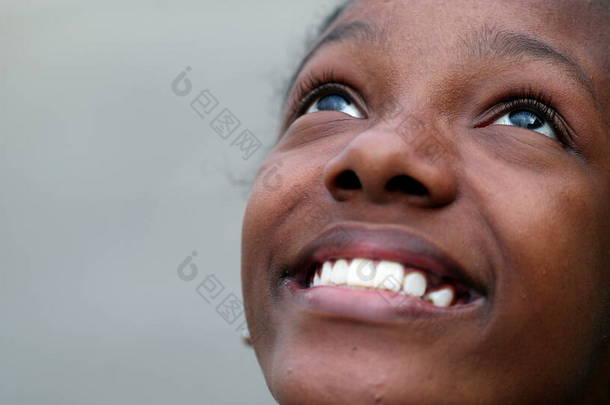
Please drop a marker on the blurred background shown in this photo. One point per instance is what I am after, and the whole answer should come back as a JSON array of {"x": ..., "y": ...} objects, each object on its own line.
[{"x": 129, "y": 132}]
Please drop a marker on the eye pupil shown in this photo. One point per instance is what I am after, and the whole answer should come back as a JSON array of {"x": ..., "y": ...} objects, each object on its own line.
[
  {"x": 526, "y": 119},
  {"x": 332, "y": 102}
]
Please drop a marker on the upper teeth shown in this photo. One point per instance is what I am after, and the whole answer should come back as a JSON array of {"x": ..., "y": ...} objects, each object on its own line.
[{"x": 383, "y": 275}]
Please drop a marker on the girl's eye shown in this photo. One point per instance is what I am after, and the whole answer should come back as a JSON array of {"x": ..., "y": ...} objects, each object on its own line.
[
  {"x": 528, "y": 120},
  {"x": 335, "y": 102}
]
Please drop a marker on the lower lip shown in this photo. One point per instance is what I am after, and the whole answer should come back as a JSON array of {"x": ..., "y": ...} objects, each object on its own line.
[{"x": 374, "y": 306}]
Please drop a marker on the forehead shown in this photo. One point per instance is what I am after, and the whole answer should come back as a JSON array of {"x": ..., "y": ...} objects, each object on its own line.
[
  {"x": 423, "y": 34},
  {"x": 583, "y": 25},
  {"x": 564, "y": 10}
]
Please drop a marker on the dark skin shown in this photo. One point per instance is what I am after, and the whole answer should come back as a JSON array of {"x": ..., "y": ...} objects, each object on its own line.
[{"x": 525, "y": 212}]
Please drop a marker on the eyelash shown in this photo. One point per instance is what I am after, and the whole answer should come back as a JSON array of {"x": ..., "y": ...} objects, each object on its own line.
[
  {"x": 315, "y": 86},
  {"x": 534, "y": 101}
]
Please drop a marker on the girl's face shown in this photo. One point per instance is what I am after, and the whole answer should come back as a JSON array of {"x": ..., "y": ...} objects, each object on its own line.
[{"x": 465, "y": 146}]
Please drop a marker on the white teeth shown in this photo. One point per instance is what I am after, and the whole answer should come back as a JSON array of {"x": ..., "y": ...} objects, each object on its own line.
[
  {"x": 361, "y": 273},
  {"x": 441, "y": 298},
  {"x": 384, "y": 275},
  {"x": 317, "y": 280},
  {"x": 389, "y": 276},
  {"x": 340, "y": 271},
  {"x": 415, "y": 284},
  {"x": 327, "y": 270}
]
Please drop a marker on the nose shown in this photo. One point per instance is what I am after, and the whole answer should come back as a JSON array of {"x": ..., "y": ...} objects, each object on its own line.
[{"x": 382, "y": 165}]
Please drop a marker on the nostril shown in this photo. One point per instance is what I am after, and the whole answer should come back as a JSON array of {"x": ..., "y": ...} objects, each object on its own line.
[
  {"x": 348, "y": 180},
  {"x": 407, "y": 185}
]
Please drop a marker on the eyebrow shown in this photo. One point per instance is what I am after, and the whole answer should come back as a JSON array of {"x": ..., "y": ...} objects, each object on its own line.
[
  {"x": 493, "y": 43},
  {"x": 352, "y": 31},
  {"x": 484, "y": 43}
]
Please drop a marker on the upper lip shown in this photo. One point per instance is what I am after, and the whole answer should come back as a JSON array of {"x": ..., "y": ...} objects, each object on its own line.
[{"x": 381, "y": 243}]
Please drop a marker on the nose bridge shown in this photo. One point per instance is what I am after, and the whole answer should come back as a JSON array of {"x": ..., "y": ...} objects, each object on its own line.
[
  {"x": 406, "y": 157},
  {"x": 425, "y": 139},
  {"x": 380, "y": 143},
  {"x": 409, "y": 140}
]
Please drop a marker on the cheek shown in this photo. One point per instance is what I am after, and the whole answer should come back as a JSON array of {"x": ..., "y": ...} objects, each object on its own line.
[
  {"x": 280, "y": 196},
  {"x": 254, "y": 262},
  {"x": 553, "y": 241},
  {"x": 551, "y": 272}
]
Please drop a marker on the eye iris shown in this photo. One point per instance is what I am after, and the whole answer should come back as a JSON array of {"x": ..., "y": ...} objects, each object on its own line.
[
  {"x": 526, "y": 119},
  {"x": 332, "y": 103}
]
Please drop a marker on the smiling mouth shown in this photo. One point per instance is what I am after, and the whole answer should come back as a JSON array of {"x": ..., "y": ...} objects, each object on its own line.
[
  {"x": 380, "y": 273},
  {"x": 391, "y": 277}
]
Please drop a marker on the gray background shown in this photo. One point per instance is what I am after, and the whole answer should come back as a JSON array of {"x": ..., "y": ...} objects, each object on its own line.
[{"x": 108, "y": 180}]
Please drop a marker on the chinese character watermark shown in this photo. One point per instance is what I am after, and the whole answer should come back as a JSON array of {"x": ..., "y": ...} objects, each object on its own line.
[
  {"x": 227, "y": 304},
  {"x": 225, "y": 124}
]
